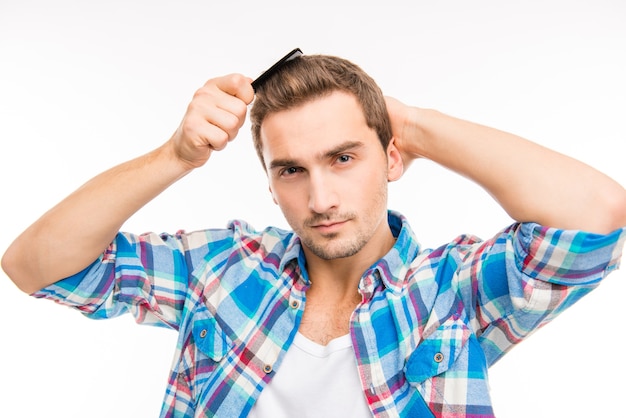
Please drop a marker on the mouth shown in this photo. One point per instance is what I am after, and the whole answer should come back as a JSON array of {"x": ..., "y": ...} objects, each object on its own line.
[{"x": 329, "y": 227}]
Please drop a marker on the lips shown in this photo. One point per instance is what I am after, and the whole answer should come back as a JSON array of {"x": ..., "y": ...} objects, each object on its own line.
[{"x": 329, "y": 227}]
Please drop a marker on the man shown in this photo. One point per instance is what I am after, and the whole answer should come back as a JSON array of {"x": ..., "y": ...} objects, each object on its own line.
[{"x": 346, "y": 315}]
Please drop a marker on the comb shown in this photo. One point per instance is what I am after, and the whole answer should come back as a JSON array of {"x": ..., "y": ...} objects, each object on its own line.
[{"x": 263, "y": 77}]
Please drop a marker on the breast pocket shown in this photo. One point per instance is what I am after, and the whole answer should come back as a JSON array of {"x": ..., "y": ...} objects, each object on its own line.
[
  {"x": 438, "y": 352},
  {"x": 207, "y": 344},
  {"x": 210, "y": 339}
]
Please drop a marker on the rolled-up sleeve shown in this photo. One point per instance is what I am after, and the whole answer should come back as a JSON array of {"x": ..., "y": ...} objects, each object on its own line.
[
  {"x": 148, "y": 275},
  {"x": 567, "y": 257},
  {"x": 527, "y": 275}
]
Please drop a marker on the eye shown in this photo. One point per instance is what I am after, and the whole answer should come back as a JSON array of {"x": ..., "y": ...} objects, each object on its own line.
[
  {"x": 290, "y": 171},
  {"x": 342, "y": 159}
]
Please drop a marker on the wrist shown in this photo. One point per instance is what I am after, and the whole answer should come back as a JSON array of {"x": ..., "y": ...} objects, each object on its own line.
[
  {"x": 171, "y": 160},
  {"x": 414, "y": 128},
  {"x": 423, "y": 124}
]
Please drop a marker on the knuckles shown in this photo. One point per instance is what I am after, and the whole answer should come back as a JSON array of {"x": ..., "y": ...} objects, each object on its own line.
[{"x": 217, "y": 111}]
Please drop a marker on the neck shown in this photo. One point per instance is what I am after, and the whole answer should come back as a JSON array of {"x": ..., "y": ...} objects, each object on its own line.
[
  {"x": 334, "y": 292},
  {"x": 338, "y": 279}
]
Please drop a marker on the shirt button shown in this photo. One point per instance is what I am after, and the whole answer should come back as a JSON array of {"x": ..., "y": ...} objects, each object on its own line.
[
  {"x": 203, "y": 333},
  {"x": 295, "y": 304},
  {"x": 438, "y": 357},
  {"x": 267, "y": 368}
]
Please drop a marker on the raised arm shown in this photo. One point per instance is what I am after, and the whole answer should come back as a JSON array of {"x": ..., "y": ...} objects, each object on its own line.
[
  {"x": 74, "y": 233},
  {"x": 531, "y": 182}
]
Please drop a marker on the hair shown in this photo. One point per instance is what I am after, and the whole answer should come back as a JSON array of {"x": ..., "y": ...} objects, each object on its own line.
[{"x": 310, "y": 77}]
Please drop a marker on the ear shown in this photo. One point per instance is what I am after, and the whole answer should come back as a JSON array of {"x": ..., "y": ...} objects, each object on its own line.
[{"x": 395, "y": 167}]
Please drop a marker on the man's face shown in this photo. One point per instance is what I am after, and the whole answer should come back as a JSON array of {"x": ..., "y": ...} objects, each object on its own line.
[{"x": 328, "y": 173}]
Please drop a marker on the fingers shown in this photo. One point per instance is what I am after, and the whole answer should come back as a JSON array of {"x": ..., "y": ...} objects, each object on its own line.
[
  {"x": 405, "y": 128},
  {"x": 222, "y": 104},
  {"x": 214, "y": 116},
  {"x": 236, "y": 85}
]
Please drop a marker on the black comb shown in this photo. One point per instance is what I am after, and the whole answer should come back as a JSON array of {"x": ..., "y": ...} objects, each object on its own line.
[{"x": 263, "y": 77}]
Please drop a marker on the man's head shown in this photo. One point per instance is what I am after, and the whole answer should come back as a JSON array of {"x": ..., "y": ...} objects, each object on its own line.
[
  {"x": 310, "y": 77},
  {"x": 318, "y": 126}
]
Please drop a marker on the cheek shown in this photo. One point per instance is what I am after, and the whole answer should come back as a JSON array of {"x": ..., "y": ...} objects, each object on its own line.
[
  {"x": 367, "y": 181},
  {"x": 287, "y": 198},
  {"x": 269, "y": 189}
]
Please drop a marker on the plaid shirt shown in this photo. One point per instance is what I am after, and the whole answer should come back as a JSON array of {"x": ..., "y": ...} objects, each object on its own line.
[{"x": 430, "y": 323}]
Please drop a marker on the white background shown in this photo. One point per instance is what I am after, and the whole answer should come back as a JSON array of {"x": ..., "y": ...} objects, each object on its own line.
[{"x": 86, "y": 85}]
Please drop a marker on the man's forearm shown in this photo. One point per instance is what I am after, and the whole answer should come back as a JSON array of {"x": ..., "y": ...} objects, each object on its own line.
[
  {"x": 531, "y": 182},
  {"x": 74, "y": 233}
]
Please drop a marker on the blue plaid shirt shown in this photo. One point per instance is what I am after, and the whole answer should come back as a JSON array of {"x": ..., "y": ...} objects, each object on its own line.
[{"x": 430, "y": 323}]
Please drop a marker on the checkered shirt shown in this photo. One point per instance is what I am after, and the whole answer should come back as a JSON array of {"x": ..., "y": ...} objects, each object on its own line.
[{"x": 430, "y": 323}]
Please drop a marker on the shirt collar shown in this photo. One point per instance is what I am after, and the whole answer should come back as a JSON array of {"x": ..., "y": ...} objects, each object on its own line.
[
  {"x": 293, "y": 253},
  {"x": 392, "y": 268}
]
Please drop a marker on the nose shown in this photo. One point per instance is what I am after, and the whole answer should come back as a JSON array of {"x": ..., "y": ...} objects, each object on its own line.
[{"x": 323, "y": 195}]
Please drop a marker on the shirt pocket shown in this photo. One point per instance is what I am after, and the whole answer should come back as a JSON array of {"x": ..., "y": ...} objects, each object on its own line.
[
  {"x": 206, "y": 346},
  {"x": 438, "y": 352},
  {"x": 210, "y": 340}
]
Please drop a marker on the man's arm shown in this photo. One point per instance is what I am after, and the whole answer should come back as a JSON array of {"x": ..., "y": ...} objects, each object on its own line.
[
  {"x": 531, "y": 182},
  {"x": 71, "y": 235}
]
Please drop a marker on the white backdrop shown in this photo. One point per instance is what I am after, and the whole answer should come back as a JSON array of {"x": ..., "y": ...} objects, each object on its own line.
[{"x": 86, "y": 85}]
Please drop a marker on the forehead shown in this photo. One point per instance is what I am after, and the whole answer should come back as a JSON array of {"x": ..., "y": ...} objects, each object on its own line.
[{"x": 314, "y": 126}]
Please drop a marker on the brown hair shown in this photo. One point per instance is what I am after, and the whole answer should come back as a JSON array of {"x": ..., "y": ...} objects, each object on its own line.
[{"x": 309, "y": 77}]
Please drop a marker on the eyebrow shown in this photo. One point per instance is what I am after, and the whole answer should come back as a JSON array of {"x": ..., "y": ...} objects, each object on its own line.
[{"x": 346, "y": 146}]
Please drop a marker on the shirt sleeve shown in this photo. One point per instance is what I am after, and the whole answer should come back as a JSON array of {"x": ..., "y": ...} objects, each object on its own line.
[
  {"x": 528, "y": 274},
  {"x": 149, "y": 275}
]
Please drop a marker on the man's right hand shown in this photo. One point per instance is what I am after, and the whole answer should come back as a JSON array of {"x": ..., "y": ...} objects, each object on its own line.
[{"x": 213, "y": 118}]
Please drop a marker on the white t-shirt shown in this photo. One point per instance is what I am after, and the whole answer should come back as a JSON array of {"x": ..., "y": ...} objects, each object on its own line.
[{"x": 314, "y": 381}]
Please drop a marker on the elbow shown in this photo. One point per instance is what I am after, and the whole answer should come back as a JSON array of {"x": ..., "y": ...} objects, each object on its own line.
[
  {"x": 614, "y": 211},
  {"x": 11, "y": 267}
]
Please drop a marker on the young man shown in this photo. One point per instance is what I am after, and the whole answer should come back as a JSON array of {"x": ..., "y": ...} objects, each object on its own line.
[{"x": 345, "y": 315}]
